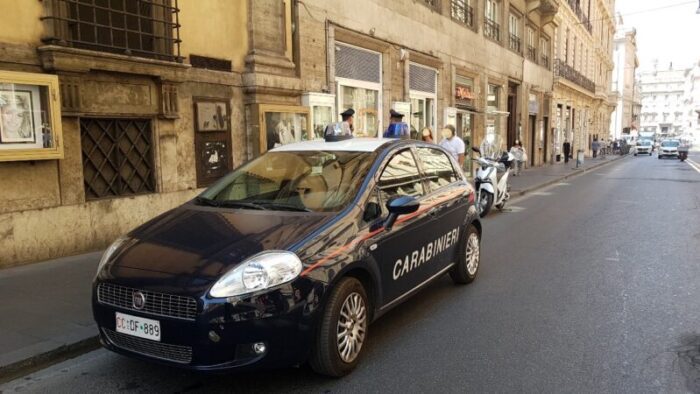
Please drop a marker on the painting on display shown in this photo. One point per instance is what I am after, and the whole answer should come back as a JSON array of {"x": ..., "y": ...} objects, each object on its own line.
[{"x": 16, "y": 117}]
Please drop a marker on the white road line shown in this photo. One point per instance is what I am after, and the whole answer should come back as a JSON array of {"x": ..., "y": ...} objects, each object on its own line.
[{"x": 693, "y": 164}]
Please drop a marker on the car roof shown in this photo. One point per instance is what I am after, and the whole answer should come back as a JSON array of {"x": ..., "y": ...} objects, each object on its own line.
[{"x": 349, "y": 145}]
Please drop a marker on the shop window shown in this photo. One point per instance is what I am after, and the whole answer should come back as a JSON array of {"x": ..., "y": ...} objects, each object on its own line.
[
  {"x": 117, "y": 157},
  {"x": 358, "y": 77},
  {"x": 146, "y": 28}
]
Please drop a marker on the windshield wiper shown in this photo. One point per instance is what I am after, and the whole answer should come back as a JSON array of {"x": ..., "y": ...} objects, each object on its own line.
[
  {"x": 282, "y": 206},
  {"x": 206, "y": 201},
  {"x": 240, "y": 204}
]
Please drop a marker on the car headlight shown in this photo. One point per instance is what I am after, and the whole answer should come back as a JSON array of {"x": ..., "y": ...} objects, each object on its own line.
[
  {"x": 107, "y": 255},
  {"x": 260, "y": 272}
]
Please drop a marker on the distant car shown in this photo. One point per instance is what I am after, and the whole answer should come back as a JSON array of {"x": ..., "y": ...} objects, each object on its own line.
[
  {"x": 643, "y": 147},
  {"x": 669, "y": 148}
]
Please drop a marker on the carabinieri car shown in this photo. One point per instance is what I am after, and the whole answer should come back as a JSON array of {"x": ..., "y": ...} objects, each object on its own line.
[{"x": 288, "y": 258}]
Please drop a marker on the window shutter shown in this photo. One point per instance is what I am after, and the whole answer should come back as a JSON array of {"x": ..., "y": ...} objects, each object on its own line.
[
  {"x": 358, "y": 64},
  {"x": 422, "y": 79}
]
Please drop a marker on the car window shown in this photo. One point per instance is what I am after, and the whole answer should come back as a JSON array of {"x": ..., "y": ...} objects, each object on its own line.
[
  {"x": 670, "y": 144},
  {"x": 321, "y": 181},
  {"x": 400, "y": 177},
  {"x": 437, "y": 167}
]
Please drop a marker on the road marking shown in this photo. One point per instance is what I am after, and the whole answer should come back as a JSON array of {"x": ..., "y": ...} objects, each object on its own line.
[
  {"x": 513, "y": 208},
  {"x": 693, "y": 164},
  {"x": 616, "y": 258},
  {"x": 563, "y": 184},
  {"x": 541, "y": 193}
]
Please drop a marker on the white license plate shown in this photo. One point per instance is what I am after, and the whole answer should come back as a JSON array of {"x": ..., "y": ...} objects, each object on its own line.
[{"x": 138, "y": 326}]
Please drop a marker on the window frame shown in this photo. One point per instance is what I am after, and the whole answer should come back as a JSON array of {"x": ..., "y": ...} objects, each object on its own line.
[
  {"x": 385, "y": 163},
  {"x": 421, "y": 166}
]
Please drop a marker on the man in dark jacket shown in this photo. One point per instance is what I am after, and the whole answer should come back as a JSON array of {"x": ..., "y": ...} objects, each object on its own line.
[{"x": 567, "y": 150}]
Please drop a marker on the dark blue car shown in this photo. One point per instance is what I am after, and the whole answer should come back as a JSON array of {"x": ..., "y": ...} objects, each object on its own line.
[{"x": 289, "y": 258}]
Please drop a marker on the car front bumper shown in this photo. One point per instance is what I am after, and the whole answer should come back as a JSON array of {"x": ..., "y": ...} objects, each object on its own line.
[
  {"x": 222, "y": 335},
  {"x": 668, "y": 153}
]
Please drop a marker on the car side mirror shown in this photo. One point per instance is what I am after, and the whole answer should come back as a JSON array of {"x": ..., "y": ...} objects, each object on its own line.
[
  {"x": 399, "y": 206},
  {"x": 372, "y": 212}
]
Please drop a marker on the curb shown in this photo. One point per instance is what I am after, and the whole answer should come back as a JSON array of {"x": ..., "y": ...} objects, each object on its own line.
[
  {"x": 575, "y": 172},
  {"x": 24, "y": 367}
]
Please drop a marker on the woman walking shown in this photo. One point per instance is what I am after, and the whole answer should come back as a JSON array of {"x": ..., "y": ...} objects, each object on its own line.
[{"x": 519, "y": 153}]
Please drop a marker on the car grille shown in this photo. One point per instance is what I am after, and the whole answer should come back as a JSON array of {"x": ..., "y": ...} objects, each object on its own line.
[
  {"x": 147, "y": 347},
  {"x": 160, "y": 304}
]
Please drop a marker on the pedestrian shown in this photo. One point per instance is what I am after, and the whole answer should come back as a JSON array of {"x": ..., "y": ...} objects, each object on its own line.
[
  {"x": 342, "y": 130},
  {"x": 603, "y": 146},
  {"x": 567, "y": 150},
  {"x": 519, "y": 154},
  {"x": 594, "y": 147},
  {"x": 453, "y": 144},
  {"x": 397, "y": 128},
  {"x": 427, "y": 135},
  {"x": 616, "y": 147}
]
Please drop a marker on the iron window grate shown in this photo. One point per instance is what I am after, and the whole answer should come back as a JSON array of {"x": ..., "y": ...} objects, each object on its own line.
[
  {"x": 175, "y": 353},
  {"x": 160, "y": 304},
  {"x": 463, "y": 12},
  {"x": 145, "y": 28},
  {"x": 117, "y": 157}
]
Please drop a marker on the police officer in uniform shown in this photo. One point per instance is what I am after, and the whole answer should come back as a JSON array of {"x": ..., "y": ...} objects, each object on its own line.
[
  {"x": 342, "y": 130},
  {"x": 397, "y": 128}
]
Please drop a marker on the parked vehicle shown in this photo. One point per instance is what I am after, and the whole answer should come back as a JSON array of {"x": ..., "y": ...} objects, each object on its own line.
[
  {"x": 492, "y": 190},
  {"x": 289, "y": 257},
  {"x": 643, "y": 147},
  {"x": 669, "y": 148}
]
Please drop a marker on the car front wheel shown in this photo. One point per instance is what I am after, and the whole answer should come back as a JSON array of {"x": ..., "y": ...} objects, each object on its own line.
[
  {"x": 343, "y": 330},
  {"x": 469, "y": 258}
]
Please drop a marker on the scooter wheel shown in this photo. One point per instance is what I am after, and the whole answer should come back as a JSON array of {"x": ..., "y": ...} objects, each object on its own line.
[{"x": 485, "y": 204}]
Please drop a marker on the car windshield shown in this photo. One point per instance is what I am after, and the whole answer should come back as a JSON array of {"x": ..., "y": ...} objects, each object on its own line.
[
  {"x": 644, "y": 143},
  {"x": 670, "y": 144},
  {"x": 318, "y": 181}
]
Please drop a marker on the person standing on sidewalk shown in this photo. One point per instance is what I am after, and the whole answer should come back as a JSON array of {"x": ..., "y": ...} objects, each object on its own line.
[
  {"x": 594, "y": 147},
  {"x": 567, "y": 150},
  {"x": 453, "y": 144},
  {"x": 519, "y": 153}
]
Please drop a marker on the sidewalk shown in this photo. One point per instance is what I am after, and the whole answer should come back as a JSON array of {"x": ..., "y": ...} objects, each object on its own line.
[
  {"x": 46, "y": 312},
  {"x": 536, "y": 178},
  {"x": 46, "y": 307}
]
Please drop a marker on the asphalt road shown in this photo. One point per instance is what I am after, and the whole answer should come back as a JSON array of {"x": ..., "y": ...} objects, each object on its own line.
[{"x": 589, "y": 286}]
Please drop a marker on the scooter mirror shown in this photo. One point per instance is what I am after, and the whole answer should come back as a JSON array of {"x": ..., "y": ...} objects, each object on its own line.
[{"x": 476, "y": 149}]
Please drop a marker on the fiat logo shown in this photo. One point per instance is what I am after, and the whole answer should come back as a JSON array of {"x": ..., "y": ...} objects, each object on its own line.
[{"x": 138, "y": 300}]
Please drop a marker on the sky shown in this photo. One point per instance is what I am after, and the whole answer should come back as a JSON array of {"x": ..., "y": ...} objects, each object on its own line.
[{"x": 666, "y": 29}]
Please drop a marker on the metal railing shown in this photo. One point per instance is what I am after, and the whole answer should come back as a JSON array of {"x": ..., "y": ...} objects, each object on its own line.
[
  {"x": 532, "y": 53},
  {"x": 462, "y": 12},
  {"x": 514, "y": 43},
  {"x": 145, "y": 28},
  {"x": 569, "y": 73},
  {"x": 492, "y": 29},
  {"x": 432, "y": 3},
  {"x": 576, "y": 8}
]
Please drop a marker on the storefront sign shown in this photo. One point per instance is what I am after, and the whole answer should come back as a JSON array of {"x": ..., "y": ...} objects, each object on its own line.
[
  {"x": 450, "y": 116},
  {"x": 464, "y": 92}
]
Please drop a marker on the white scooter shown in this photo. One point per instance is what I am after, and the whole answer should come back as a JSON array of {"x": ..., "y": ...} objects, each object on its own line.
[{"x": 490, "y": 189}]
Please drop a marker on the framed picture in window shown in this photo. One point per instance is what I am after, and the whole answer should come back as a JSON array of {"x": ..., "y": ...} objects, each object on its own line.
[
  {"x": 212, "y": 115},
  {"x": 30, "y": 117},
  {"x": 284, "y": 124}
]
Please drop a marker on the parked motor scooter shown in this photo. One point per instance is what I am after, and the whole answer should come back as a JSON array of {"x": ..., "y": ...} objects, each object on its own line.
[{"x": 492, "y": 190}]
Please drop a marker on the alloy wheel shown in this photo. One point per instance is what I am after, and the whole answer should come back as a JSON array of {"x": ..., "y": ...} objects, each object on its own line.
[
  {"x": 352, "y": 326},
  {"x": 473, "y": 254}
]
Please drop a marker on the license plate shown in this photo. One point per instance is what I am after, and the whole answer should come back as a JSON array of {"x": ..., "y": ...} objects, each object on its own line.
[{"x": 138, "y": 326}]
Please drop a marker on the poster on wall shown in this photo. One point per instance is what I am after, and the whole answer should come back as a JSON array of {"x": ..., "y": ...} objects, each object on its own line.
[
  {"x": 16, "y": 115},
  {"x": 212, "y": 116}
]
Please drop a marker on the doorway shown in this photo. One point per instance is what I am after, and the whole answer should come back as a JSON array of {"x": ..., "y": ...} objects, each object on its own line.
[
  {"x": 512, "y": 134},
  {"x": 465, "y": 123},
  {"x": 533, "y": 138},
  {"x": 545, "y": 131}
]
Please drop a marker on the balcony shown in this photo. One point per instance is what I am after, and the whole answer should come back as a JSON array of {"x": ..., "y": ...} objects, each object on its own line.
[
  {"x": 546, "y": 8},
  {"x": 463, "y": 13},
  {"x": 569, "y": 73},
  {"x": 492, "y": 29},
  {"x": 514, "y": 43},
  {"x": 532, "y": 53},
  {"x": 576, "y": 8}
]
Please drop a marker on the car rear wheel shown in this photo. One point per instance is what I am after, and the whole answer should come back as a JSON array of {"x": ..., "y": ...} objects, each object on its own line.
[
  {"x": 469, "y": 258},
  {"x": 342, "y": 331}
]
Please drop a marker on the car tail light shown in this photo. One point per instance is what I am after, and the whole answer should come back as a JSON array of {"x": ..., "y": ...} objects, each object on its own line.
[{"x": 472, "y": 197}]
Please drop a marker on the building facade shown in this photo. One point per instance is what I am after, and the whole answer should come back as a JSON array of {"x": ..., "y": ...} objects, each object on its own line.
[
  {"x": 583, "y": 101},
  {"x": 624, "y": 119},
  {"x": 149, "y": 101},
  {"x": 691, "y": 124},
  {"x": 663, "y": 100}
]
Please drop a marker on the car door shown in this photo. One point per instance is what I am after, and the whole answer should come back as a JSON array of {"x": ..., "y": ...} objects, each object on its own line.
[
  {"x": 397, "y": 252},
  {"x": 447, "y": 200}
]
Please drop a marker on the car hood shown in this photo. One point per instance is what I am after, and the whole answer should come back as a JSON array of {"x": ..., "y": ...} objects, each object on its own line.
[{"x": 203, "y": 242}]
